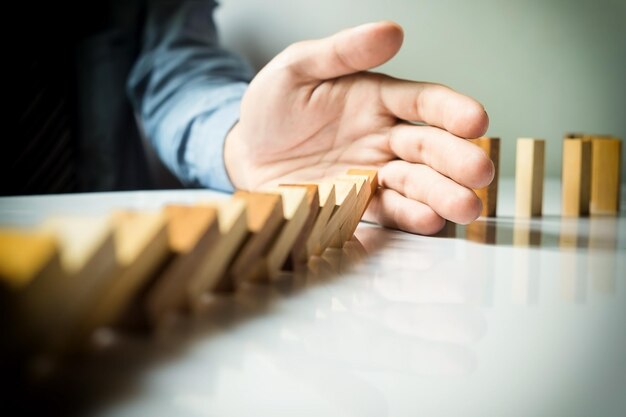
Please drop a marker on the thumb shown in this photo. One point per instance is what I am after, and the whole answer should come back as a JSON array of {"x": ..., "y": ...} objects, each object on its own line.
[{"x": 346, "y": 52}]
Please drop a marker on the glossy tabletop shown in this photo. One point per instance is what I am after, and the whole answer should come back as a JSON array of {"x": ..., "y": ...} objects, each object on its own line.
[{"x": 505, "y": 317}]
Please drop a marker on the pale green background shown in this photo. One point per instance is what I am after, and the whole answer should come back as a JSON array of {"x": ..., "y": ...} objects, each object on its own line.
[{"x": 541, "y": 68}]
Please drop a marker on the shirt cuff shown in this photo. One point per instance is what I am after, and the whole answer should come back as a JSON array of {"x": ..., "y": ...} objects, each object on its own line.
[{"x": 204, "y": 155}]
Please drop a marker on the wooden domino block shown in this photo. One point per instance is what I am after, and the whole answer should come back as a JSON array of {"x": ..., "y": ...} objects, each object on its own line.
[
  {"x": 264, "y": 220},
  {"x": 529, "y": 171},
  {"x": 295, "y": 213},
  {"x": 299, "y": 254},
  {"x": 141, "y": 248},
  {"x": 192, "y": 233},
  {"x": 345, "y": 202},
  {"x": 576, "y": 177},
  {"x": 606, "y": 155},
  {"x": 481, "y": 231},
  {"x": 26, "y": 254},
  {"x": 372, "y": 175},
  {"x": 211, "y": 274},
  {"x": 363, "y": 194},
  {"x": 326, "y": 192},
  {"x": 53, "y": 306},
  {"x": 489, "y": 194}
]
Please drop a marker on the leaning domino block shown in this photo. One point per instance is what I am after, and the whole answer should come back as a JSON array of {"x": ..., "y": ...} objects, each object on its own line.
[
  {"x": 372, "y": 175},
  {"x": 345, "y": 194},
  {"x": 141, "y": 247},
  {"x": 192, "y": 233},
  {"x": 363, "y": 192},
  {"x": 529, "y": 171},
  {"x": 298, "y": 253},
  {"x": 295, "y": 213},
  {"x": 211, "y": 274},
  {"x": 264, "y": 220},
  {"x": 52, "y": 307},
  {"x": 25, "y": 255},
  {"x": 326, "y": 192},
  {"x": 489, "y": 195},
  {"x": 605, "y": 175},
  {"x": 576, "y": 176}
]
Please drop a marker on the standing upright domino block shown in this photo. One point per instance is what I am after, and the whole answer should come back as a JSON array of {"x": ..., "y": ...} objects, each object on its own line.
[
  {"x": 529, "y": 170},
  {"x": 489, "y": 194},
  {"x": 605, "y": 172},
  {"x": 576, "y": 177}
]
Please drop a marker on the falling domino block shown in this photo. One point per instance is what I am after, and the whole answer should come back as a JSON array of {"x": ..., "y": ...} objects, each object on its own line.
[
  {"x": 264, "y": 219},
  {"x": 141, "y": 247},
  {"x": 326, "y": 191},
  {"x": 24, "y": 255},
  {"x": 345, "y": 202},
  {"x": 295, "y": 213},
  {"x": 211, "y": 274},
  {"x": 52, "y": 307},
  {"x": 489, "y": 194},
  {"x": 605, "y": 175},
  {"x": 298, "y": 253},
  {"x": 576, "y": 177},
  {"x": 363, "y": 193},
  {"x": 372, "y": 175},
  {"x": 192, "y": 233},
  {"x": 529, "y": 170}
]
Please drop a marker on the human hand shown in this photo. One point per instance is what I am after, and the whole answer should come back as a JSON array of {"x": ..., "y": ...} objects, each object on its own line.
[{"x": 314, "y": 111}]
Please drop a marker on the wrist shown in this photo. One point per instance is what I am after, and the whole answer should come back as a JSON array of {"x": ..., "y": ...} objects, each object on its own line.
[{"x": 233, "y": 153}]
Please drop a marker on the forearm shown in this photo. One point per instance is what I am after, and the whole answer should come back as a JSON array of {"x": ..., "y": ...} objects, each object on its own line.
[{"x": 186, "y": 90}]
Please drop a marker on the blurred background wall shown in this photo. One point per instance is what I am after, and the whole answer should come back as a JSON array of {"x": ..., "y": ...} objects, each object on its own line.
[{"x": 540, "y": 67}]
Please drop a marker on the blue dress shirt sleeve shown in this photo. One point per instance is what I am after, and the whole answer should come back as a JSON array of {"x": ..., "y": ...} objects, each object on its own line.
[{"x": 187, "y": 90}]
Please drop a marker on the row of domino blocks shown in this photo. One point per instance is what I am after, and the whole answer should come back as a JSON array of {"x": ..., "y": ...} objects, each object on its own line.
[
  {"x": 71, "y": 276},
  {"x": 590, "y": 175}
]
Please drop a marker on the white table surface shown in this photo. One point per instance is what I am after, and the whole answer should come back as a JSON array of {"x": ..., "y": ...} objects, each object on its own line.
[{"x": 531, "y": 324}]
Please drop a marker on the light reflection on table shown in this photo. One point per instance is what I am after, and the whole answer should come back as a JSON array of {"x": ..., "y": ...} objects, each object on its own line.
[{"x": 501, "y": 317}]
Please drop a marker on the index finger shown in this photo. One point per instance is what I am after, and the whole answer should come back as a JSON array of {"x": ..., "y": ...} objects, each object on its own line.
[{"x": 435, "y": 105}]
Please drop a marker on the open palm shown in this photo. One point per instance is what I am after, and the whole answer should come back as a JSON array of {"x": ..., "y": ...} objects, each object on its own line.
[{"x": 314, "y": 111}]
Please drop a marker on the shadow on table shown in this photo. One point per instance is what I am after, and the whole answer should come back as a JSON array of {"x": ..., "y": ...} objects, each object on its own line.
[{"x": 113, "y": 368}]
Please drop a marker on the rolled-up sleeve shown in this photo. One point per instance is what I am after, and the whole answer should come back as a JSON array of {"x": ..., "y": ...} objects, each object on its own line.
[{"x": 186, "y": 90}]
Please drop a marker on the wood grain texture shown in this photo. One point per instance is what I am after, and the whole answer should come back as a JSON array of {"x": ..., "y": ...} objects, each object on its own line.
[
  {"x": 372, "y": 175},
  {"x": 529, "y": 176},
  {"x": 576, "y": 177},
  {"x": 264, "y": 220},
  {"x": 211, "y": 274},
  {"x": 53, "y": 306},
  {"x": 606, "y": 155},
  {"x": 295, "y": 213},
  {"x": 345, "y": 194},
  {"x": 192, "y": 233},
  {"x": 326, "y": 191},
  {"x": 363, "y": 196},
  {"x": 299, "y": 254},
  {"x": 489, "y": 195},
  {"x": 141, "y": 248}
]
